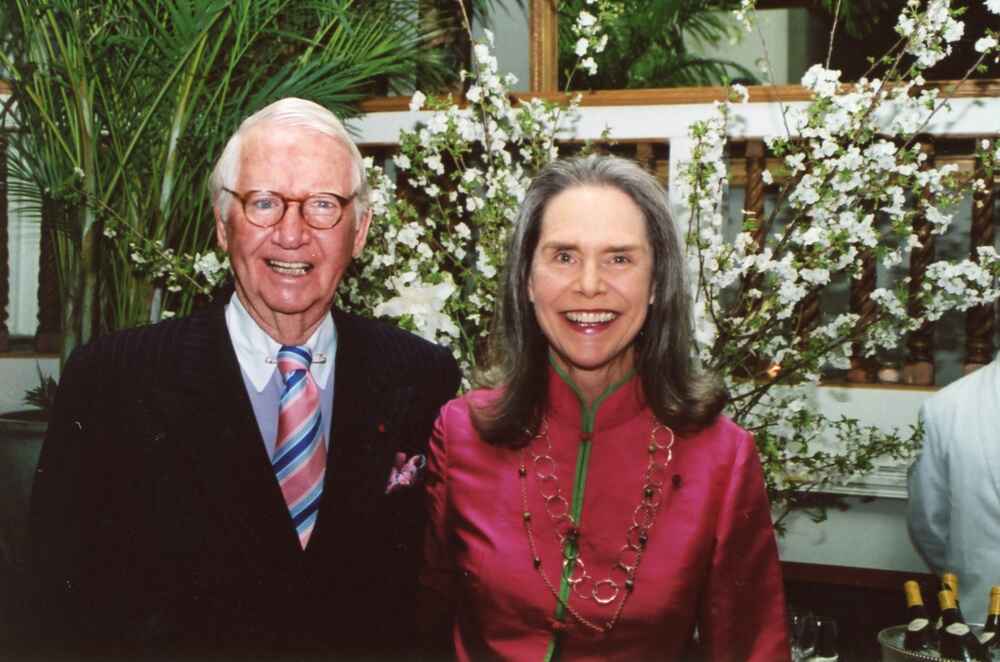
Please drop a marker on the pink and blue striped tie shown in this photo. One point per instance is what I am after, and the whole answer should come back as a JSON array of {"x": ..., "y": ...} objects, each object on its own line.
[{"x": 299, "y": 453}]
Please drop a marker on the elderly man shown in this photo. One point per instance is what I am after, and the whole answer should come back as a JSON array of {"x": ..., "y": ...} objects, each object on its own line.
[
  {"x": 954, "y": 506},
  {"x": 238, "y": 482}
]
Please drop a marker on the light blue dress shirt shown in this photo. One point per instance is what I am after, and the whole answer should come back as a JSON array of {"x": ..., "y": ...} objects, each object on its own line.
[{"x": 257, "y": 354}]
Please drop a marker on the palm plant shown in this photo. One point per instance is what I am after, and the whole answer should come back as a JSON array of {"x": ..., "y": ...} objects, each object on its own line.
[
  {"x": 648, "y": 43},
  {"x": 122, "y": 106}
]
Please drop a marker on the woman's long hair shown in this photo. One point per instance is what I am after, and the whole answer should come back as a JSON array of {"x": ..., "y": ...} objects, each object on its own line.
[{"x": 678, "y": 394}]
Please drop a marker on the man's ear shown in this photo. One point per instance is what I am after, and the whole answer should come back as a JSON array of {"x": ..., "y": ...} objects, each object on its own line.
[
  {"x": 221, "y": 229},
  {"x": 361, "y": 227}
]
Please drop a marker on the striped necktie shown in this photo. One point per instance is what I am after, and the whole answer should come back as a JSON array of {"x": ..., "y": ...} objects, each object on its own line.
[{"x": 299, "y": 459}]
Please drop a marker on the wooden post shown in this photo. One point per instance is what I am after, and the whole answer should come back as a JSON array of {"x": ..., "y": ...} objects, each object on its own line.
[
  {"x": 979, "y": 321},
  {"x": 4, "y": 252},
  {"x": 862, "y": 369},
  {"x": 544, "y": 54},
  {"x": 754, "y": 202},
  {"x": 919, "y": 366},
  {"x": 755, "y": 187},
  {"x": 48, "y": 337}
]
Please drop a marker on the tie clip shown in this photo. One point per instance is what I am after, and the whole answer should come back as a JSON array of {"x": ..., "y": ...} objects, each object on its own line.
[{"x": 318, "y": 357}]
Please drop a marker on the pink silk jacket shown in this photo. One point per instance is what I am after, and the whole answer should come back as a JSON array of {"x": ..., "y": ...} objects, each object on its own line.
[{"x": 711, "y": 559}]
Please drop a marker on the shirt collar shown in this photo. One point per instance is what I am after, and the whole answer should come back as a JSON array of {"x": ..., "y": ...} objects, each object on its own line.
[
  {"x": 618, "y": 404},
  {"x": 257, "y": 351}
]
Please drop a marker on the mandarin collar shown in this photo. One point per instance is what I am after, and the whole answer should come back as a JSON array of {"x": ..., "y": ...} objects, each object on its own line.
[
  {"x": 257, "y": 351},
  {"x": 619, "y": 404}
]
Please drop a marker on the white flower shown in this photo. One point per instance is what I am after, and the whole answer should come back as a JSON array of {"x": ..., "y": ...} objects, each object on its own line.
[
  {"x": 815, "y": 276},
  {"x": 402, "y": 161},
  {"x": 741, "y": 92},
  {"x": 767, "y": 177},
  {"x": 409, "y": 235},
  {"x": 482, "y": 53},
  {"x": 474, "y": 94},
  {"x": 483, "y": 263},
  {"x": 417, "y": 101},
  {"x": 953, "y": 31},
  {"x": 581, "y": 46},
  {"x": 433, "y": 162},
  {"x": 590, "y": 65},
  {"x": 209, "y": 266},
  {"x": 586, "y": 19},
  {"x": 424, "y": 302},
  {"x": 905, "y": 25},
  {"x": 821, "y": 80},
  {"x": 985, "y": 44},
  {"x": 993, "y": 6}
]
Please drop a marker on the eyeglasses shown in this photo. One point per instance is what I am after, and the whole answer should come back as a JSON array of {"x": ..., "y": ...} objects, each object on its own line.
[{"x": 321, "y": 211}]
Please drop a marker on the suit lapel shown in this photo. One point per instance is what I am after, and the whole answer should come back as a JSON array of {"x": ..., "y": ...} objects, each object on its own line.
[
  {"x": 228, "y": 461},
  {"x": 361, "y": 449}
]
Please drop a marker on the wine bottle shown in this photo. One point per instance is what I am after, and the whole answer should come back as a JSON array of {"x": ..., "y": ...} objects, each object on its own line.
[
  {"x": 826, "y": 642},
  {"x": 957, "y": 641},
  {"x": 949, "y": 582},
  {"x": 991, "y": 631},
  {"x": 918, "y": 630}
]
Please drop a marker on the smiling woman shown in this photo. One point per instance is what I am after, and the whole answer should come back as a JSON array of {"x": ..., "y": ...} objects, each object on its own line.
[
  {"x": 590, "y": 284},
  {"x": 596, "y": 505}
]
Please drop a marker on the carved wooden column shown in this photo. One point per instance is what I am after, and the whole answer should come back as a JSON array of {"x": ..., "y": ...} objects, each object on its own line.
[
  {"x": 755, "y": 186},
  {"x": 754, "y": 190},
  {"x": 919, "y": 366},
  {"x": 4, "y": 252},
  {"x": 863, "y": 369},
  {"x": 544, "y": 55},
  {"x": 979, "y": 321},
  {"x": 48, "y": 337},
  {"x": 645, "y": 158}
]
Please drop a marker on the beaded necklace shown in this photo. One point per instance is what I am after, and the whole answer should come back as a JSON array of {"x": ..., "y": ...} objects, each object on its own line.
[{"x": 622, "y": 574}]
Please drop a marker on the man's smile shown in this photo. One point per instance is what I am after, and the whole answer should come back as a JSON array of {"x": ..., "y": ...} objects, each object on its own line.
[{"x": 289, "y": 268}]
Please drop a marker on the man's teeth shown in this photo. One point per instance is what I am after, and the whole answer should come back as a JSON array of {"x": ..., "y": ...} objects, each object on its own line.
[
  {"x": 293, "y": 268},
  {"x": 591, "y": 318}
]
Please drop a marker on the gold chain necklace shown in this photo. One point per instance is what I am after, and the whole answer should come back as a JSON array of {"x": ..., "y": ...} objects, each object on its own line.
[{"x": 622, "y": 574}]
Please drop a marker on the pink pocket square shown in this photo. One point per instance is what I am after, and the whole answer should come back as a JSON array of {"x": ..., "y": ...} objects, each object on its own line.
[{"x": 405, "y": 473}]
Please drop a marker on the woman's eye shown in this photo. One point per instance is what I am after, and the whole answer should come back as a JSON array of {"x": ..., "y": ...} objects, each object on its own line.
[
  {"x": 620, "y": 259},
  {"x": 564, "y": 257}
]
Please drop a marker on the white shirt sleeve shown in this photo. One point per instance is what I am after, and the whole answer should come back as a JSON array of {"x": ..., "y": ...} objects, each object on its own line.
[{"x": 929, "y": 507}]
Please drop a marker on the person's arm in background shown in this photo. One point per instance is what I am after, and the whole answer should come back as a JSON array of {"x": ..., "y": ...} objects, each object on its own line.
[{"x": 928, "y": 509}]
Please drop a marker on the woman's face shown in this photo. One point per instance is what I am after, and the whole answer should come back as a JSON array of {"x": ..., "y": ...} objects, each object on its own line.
[{"x": 590, "y": 281}]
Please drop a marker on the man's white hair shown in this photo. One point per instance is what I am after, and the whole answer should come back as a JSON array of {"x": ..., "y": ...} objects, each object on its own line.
[{"x": 287, "y": 112}]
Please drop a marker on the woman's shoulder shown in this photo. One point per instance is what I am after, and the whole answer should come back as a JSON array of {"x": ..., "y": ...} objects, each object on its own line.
[
  {"x": 476, "y": 398},
  {"x": 723, "y": 432},
  {"x": 458, "y": 411}
]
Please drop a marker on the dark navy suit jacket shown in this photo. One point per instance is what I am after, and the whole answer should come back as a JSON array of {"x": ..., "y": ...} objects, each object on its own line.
[{"x": 158, "y": 528}]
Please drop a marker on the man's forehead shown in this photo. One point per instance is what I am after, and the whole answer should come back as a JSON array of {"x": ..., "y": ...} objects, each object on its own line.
[
  {"x": 278, "y": 152},
  {"x": 290, "y": 136}
]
